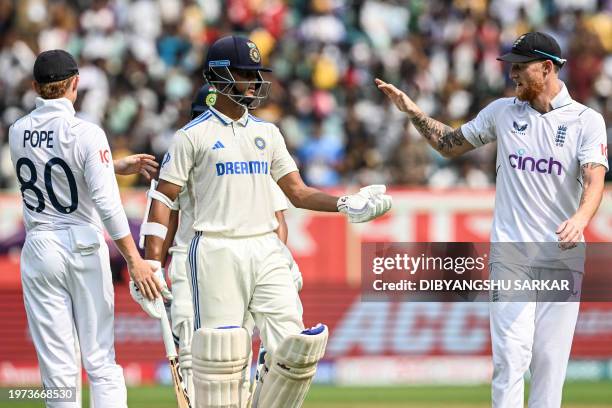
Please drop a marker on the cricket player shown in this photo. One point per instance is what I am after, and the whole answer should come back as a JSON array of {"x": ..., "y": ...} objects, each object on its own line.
[
  {"x": 176, "y": 243},
  {"x": 67, "y": 179},
  {"x": 551, "y": 161},
  {"x": 236, "y": 263}
]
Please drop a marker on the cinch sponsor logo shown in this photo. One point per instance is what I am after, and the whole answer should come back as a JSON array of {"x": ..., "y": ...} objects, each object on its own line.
[
  {"x": 527, "y": 163},
  {"x": 242, "y": 167}
]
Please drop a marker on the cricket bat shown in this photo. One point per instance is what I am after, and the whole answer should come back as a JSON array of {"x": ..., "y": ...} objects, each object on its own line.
[{"x": 182, "y": 398}]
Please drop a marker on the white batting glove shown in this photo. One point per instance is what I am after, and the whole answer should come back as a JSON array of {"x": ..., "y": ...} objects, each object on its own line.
[
  {"x": 370, "y": 202},
  {"x": 153, "y": 308}
]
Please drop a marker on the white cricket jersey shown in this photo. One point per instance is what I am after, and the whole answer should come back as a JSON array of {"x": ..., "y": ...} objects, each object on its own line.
[
  {"x": 65, "y": 169},
  {"x": 539, "y": 157},
  {"x": 185, "y": 231},
  {"x": 226, "y": 166}
]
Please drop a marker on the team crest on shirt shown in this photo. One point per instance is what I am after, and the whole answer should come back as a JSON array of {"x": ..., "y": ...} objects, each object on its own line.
[
  {"x": 560, "y": 136},
  {"x": 260, "y": 143},
  {"x": 519, "y": 128}
]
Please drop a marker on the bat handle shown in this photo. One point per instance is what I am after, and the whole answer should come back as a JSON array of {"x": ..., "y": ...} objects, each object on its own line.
[{"x": 167, "y": 335}]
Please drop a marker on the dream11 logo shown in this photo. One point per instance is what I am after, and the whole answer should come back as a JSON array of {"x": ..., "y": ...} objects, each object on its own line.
[{"x": 527, "y": 163}]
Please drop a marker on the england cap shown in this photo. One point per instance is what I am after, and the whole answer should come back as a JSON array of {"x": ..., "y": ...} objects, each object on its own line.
[
  {"x": 532, "y": 47},
  {"x": 53, "y": 66}
]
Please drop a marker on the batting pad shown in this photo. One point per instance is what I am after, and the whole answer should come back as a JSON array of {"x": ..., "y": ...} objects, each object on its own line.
[
  {"x": 219, "y": 361},
  {"x": 291, "y": 369}
]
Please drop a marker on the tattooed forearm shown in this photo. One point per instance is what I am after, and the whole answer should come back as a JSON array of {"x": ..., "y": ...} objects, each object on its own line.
[
  {"x": 441, "y": 137},
  {"x": 592, "y": 189}
]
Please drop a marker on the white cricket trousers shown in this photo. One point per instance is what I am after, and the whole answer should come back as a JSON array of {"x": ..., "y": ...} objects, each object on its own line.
[
  {"x": 233, "y": 276},
  {"x": 63, "y": 290},
  {"x": 530, "y": 335}
]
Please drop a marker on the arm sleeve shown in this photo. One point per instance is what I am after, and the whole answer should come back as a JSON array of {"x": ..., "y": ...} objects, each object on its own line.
[
  {"x": 179, "y": 160},
  {"x": 282, "y": 162},
  {"x": 102, "y": 185},
  {"x": 279, "y": 200},
  {"x": 481, "y": 130},
  {"x": 594, "y": 145}
]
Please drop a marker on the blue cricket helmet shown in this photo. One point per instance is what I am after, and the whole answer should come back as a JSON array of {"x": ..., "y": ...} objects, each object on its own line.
[{"x": 234, "y": 53}]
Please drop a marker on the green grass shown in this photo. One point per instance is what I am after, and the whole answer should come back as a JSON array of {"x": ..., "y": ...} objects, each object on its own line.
[{"x": 576, "y": 395}]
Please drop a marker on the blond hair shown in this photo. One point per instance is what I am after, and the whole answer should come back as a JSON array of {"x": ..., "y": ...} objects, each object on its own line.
[{"x": 54, "y": 90}]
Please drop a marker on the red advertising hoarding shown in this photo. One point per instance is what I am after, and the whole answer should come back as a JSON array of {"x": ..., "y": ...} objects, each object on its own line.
[{"x": 328, "y": 252}]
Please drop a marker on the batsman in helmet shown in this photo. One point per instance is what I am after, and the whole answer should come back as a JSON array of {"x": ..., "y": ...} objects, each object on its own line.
[{"x": 235, "y": 261}]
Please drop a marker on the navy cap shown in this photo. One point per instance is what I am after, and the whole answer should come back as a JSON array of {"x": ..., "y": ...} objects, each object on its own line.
[
  {"x": 234, "y": 52},
  {"x": 199, "y": 102},
  {"x": 532, "y": 47},
  {"x": 53, "y": 66}
]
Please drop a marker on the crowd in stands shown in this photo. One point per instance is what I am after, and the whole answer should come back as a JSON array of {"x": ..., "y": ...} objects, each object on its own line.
[{"x": 141, "y": 64}]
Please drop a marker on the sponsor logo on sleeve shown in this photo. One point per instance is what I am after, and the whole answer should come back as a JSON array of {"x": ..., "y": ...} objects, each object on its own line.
[{"x": 104, "y": 156}]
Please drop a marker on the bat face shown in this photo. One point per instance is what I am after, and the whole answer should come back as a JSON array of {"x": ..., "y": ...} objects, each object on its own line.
[{"x": 179, "y": 390}]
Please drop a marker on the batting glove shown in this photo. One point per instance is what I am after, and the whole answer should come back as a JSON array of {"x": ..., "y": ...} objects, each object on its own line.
[
  {"x": 370, "y": 202},
  {"x": 153, "y": 308}
]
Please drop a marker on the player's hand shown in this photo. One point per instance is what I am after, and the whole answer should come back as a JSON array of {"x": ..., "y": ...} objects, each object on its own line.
[
  {"x": 144, "y": 164},
  {"x": 160, "y": 279},
  {"x": 570, "y": 232},
  {"x": 370, "y": 202},
  {"x": 143, "y": 276},
  {"x": 399, "y": 98}
]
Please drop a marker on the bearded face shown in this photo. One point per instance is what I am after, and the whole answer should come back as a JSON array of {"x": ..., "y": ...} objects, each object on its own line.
[{"x": 529, "y": 80}]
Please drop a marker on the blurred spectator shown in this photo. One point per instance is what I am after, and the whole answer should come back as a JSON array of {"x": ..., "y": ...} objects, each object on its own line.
[
  {"x": 141, "y": 62},
  {"x": 320, "y": 156}
]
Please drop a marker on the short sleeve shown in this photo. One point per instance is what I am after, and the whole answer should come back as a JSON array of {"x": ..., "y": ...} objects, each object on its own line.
[
  {"x": 279, "y": 200},
  {"x": 179, "y": 160},
  {"x": 282, "y": 162},
  {"x": 481, "y": 130},
  {"x": 594, "y": 145}
]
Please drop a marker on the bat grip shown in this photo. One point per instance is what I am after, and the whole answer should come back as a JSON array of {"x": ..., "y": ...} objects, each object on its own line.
[{"x": 167, "y": 335}]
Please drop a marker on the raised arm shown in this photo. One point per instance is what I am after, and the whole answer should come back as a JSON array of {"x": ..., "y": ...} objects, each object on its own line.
[{"x": 447, "y": 141}]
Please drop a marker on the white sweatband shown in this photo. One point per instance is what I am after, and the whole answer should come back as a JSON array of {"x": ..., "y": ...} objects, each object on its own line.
[
  {"x": 164, "y": 199},
  {"x": 154, "y": 228}
]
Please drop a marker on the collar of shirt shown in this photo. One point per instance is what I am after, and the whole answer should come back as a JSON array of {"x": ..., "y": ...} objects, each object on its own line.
[
  {"x": 225, "y": 120},
  {"x": 562, "y": 98},
  {"x": 60, "y": 105}
]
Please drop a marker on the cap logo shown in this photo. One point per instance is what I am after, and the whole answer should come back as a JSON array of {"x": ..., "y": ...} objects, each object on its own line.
[
  {"x": 518, "y": 41},
  {"x": 254, "y": 55}
]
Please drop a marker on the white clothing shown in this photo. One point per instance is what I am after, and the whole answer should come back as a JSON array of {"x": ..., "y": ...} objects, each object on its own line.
[
  {"x": 227, "y": 166},
  {"x": 66, "y": 171},
  {"x": 63, "y": 289}
]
